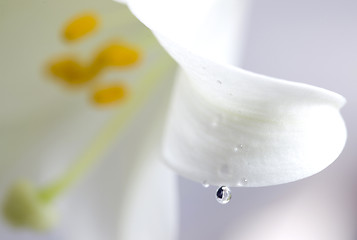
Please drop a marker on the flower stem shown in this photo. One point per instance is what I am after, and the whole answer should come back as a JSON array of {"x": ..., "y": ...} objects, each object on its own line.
[{"x": 110, "y": 131}]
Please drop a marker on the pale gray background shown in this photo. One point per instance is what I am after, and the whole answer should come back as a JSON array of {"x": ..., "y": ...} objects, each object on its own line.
[{"x": 310, "y": 41}]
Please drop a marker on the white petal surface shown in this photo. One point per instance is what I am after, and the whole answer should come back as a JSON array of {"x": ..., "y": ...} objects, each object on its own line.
[
  {"x": 212, "y": 29},
  {"x": 228, "y": 124}
]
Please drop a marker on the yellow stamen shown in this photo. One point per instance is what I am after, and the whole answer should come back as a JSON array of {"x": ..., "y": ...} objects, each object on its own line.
[
  {"x": 110, "y": 130},
  {"x": 116, "y": 55},
  {"x": 80, "y": 26},
  {"x": 109, "y": 94},
  {"x": 72, "y": 71},
  {"x": 30, "y": 207}
]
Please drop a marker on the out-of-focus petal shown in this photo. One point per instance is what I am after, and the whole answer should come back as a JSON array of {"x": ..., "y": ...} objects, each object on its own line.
[
  {"x": 152, "y": 193},
  {"x": 45, "y": 126},
  {"x": 124, "y": 197}
]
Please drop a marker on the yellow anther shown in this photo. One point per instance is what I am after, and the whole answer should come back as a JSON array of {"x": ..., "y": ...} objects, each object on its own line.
[
  {"x": 72, "y": 71},
  {"x": 116, "y": 55},
  {"x": 79, "y": 26},
  {"x": 109, "y": 94}
]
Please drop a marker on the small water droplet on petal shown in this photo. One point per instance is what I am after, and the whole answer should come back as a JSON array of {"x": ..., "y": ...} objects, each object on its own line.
[
  {"x": 205, "y": 184},
  {"x": 243, "y": 182},
  {"x": 238, "y": 148},
  {"x": 223, "y": 195}
]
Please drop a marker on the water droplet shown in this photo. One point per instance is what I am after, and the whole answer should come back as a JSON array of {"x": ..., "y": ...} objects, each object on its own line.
[
  {"x": 219, "y": 82},
  {"x": 238, "y": 148},
  {"x": 223, "y": 195},
  {"x": 205, "y": 184},
  {"x": 243, "y": 182}
]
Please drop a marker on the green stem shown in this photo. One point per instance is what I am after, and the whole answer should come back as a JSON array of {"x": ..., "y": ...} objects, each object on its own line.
[{"x": 109, "y": 132}]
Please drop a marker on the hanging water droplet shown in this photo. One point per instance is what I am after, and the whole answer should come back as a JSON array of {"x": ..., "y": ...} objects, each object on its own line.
[
  {"x": 205, "y": 184},
  {"x": 243, "y": 182},
  {"x": 223, "y": 195},
  {"x": 238, "y": 148}
]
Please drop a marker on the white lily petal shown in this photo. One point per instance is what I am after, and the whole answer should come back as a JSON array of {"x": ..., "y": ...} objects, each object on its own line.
[
  {"x": 177, "y": 19},
  {"x": 201, "y": 25},
  {"x": 265, "y": 131}
]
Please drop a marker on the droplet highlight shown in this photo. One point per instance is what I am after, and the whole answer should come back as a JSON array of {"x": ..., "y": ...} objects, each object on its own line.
[
  {"x": 223, "y": 195},
  {"x": 243, "y": 182},
  {"x": 205, "y": 184},
  {"x": 238, "y": 148}
]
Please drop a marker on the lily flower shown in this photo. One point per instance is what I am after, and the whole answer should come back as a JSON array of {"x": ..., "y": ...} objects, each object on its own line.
[
  {"x": 229, "y": 126},
  {"x": 226, "y": 126}
]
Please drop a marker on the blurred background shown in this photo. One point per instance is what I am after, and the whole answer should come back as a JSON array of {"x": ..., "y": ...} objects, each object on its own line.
[{"x": 310, "y": 41}]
